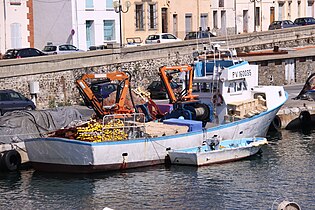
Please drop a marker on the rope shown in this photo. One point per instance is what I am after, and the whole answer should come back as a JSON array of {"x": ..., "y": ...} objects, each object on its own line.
[
  {"x": 18, "y": 147},
  {"x": 24, "y": 134},
  {"x": 149, "y": 139}
]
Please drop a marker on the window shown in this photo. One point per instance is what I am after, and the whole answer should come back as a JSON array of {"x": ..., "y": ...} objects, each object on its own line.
[
  {"x": 63, "y": 48},
  {"x": 281, "y": 10},
  {"x": 204, "y": 21},
  {"x": 139, "y": 17},
  {"x": 257, "y": 16},
  {"x": 299, "y": 8},
  {"x": 109, "y": 4},
  {"x": 16, "y": 37},
  {"x": 152, "y": 16},
  {"x": 289, "y": 10},
  {"x": 188, "y": 23},
  {"x": 89, "y": 4},
  {"x": 221, "y": 3},
  {"x": 109, "y": 30},
  {"x": 14, "y": 96},
  {"x": 215, "y": 19},
  {"x": 237, "y": 86},
  {"x": 15, "y": 2}
]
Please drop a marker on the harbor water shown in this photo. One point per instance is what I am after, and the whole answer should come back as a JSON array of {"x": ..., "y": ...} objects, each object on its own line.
[{"x": 284, "y": 171}]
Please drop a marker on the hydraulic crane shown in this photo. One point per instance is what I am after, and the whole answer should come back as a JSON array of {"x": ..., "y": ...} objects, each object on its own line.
[
  {"x": 185, "y": 103},
  {"x": 89, "y": 97}
]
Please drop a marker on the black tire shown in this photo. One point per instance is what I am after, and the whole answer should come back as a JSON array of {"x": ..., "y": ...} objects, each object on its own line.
[{"x": 11, "y": 160}]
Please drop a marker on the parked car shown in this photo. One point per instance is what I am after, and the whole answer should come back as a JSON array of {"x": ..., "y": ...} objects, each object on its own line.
[
  {"x": 158, "y": 91},
  {"x": 198, "y": 35},
  {"x": 11, "y": 100},
  {"x": 103, "y": 90},
  {"x": 303, "y": 21},
  {"x": 161, "y": 38},
  {"x": 99, "y": 47},
  {"x": 133, "y": 42},
  {"x": 60, "y": 49},
  {"x": 280, "y": 24},
  {"x": 22, "y": 53}
]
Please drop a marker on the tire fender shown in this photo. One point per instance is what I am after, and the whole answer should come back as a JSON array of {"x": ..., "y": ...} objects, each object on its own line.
[{"x": 11, "y": 160}]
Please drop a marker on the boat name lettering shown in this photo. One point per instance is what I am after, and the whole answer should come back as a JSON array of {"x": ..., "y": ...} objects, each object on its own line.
[{"x": 244, "y": 73}]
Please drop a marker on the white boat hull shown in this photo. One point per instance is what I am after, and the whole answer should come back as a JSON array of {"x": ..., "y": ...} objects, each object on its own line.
[
  {"x": 201, "y": 158},
  {"x": 67, "y": 155}
]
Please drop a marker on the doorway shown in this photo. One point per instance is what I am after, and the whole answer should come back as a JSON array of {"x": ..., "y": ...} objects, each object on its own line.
[
  {"x": 272, "y": 14},
  {"x": 175, "y": 29},
  {"x": 164, "y": 20},
  {"x": 223, "y": 22},
  {"x": 245, "y": 21},
  {"x": 289, "y": 71},
  {"x": 89, "y": 33}
]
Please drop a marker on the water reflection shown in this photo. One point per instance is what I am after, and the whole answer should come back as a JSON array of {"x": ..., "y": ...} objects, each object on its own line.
[{"x": 285, "y": 169}]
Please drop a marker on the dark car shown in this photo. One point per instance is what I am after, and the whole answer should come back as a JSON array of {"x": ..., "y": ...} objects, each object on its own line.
[
  {"x": 103, "y": 90},
  {"x": 198, "y": 35},
  {"x": 22, "y": 53},
  {"x": 158, "y": 91},
  {"x": 280, "y": 24},
  {"x": 11, "y": 100},
  {"x": 303, "y": 21}
]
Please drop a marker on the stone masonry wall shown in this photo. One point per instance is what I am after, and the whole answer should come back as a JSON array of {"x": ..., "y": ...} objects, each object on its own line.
[
  {"x": 57, "y": 75},
  {"x": 59, "y": 89}
]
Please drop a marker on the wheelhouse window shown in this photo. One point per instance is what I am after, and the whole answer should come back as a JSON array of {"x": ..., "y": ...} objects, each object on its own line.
[
  {"x": 237, "y": 86},
  {"x": 109, "y": 30},
  {"x": 152, "y": 16},
  {"x": 139, "y": 17}
]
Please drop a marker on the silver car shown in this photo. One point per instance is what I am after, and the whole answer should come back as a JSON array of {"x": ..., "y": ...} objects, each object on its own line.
[
  {"x": 60, "y": 49},
  {"x": 161, "y": 38}
]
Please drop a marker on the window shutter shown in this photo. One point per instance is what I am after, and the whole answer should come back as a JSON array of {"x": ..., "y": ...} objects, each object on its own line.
[{"x": 16, "y": 37}]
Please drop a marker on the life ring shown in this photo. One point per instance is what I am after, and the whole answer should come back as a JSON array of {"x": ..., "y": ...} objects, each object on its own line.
[
  {"x": 11, "y": 160},
  {"x": 218, "y": 99}
]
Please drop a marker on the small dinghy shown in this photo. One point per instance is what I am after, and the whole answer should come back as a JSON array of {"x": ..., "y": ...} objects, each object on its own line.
[{"x": 216, "y": 150}]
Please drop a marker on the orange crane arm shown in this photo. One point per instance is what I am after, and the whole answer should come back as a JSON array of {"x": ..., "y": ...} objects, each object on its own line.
[
  {"x": 165, "y": 74},
  {"x": 87, "y": 93}
]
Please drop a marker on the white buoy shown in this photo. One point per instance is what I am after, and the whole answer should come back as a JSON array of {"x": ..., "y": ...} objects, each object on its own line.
[{"x": 287, "y": 205}]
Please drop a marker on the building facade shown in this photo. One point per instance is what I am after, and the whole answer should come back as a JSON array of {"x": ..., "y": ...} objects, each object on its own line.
[
  {"x": 85, "y": 23},
  {"x": 16, "y": 24}
]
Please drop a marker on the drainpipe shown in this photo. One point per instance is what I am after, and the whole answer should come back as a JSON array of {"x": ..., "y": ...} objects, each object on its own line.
[
  {"x": 5, "y": 25},
  {"x": 77, "y": 24},
  {"x": 198, "y": 15},
  {"x": 235, "y": 22}
]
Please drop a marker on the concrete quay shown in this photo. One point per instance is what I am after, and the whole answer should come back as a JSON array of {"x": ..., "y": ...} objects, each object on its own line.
[{"x": 291, "y": 112}]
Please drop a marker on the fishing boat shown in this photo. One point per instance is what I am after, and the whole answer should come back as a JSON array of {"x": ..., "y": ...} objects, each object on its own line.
[
  {"x": 214, "y": 150},
  {"x": 239, "y": 108},
  {"x": 19, "y": 125}
]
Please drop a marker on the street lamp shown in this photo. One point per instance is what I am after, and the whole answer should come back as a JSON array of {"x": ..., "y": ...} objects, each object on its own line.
[
  {"x": 254, "y": 12},
  {"x": 119, "y": 9}
]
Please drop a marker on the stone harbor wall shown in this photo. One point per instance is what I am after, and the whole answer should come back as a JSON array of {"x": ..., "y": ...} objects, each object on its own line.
[{"x": 56, "y": 75}]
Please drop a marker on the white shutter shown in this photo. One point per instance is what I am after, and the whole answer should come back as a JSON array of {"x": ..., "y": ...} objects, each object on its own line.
[{"x": 16, "y": 37}]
